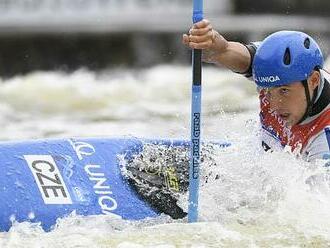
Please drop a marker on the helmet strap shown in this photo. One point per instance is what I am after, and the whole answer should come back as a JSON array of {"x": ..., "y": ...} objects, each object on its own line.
[{"x": 308, "y": 100}]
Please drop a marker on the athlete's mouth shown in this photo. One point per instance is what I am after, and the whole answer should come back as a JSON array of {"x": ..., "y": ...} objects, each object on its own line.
[{"x": 285, "y": 116}]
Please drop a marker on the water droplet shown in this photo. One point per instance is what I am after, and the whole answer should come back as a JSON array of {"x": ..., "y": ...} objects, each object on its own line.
[{"x": 31, "y": 215}]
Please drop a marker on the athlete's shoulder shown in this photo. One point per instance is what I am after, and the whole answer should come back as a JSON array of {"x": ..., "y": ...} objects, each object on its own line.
[
  {"x": 318, "y": 147},
  {"x": 252, "y": 48},
  {"x": 326, "y": 75},
  {"x": 254, "y": 44}
]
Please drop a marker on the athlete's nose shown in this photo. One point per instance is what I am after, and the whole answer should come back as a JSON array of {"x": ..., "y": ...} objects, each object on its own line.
[{"x": 275, "y": 101}]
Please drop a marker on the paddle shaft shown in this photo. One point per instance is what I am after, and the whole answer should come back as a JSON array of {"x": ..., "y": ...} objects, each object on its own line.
[{"x": 195, "y": 121}]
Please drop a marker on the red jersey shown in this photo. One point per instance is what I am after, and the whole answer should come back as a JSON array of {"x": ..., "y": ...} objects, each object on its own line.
[{"x": 311, "y": 138}]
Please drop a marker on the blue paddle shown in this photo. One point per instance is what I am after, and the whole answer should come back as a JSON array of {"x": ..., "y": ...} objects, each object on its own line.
[{"x": 195, "y": 121}]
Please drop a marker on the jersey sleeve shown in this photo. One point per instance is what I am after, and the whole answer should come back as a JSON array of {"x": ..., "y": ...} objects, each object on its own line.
[{"x": 319, "y": 147}]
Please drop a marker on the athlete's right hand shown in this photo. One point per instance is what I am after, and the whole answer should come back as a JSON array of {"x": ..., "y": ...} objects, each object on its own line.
[{"x": 203, "y": 36}]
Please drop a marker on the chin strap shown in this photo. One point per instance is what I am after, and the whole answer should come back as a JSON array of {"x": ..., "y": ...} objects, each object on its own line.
[
  {"x": 308, "y": 99},
  {"x": 314, "y": 108}
]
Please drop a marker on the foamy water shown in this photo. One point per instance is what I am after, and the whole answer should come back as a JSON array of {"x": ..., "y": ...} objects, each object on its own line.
[{"x": 256, "y": 200}]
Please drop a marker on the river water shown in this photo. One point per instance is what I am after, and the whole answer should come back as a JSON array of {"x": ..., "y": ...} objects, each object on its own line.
[{"x": 261, "y": 199}]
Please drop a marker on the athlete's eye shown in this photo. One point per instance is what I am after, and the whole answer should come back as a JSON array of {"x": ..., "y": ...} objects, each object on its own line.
[{"x": 284, "y": 91}]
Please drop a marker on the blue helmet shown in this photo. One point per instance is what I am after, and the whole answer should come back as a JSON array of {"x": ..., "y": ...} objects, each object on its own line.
[{"x": 285, "y": 57}]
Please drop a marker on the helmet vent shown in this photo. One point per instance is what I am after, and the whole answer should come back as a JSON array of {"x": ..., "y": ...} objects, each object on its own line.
[
  {"x": 287, "y": 57},
  {"x": 307, "y": 43}
]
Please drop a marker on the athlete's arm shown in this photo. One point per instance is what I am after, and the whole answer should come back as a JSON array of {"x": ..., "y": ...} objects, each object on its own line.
[{"x": 216, "y": 49}]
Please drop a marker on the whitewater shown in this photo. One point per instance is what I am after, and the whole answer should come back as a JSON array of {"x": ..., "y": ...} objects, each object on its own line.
[{"x": 251, "y": 198}]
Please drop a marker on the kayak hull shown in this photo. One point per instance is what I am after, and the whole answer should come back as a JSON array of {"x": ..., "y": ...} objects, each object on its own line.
[{"x": 43, "y": 180}]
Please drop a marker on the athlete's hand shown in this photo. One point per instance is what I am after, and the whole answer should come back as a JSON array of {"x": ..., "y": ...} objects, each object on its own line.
[{"x": 203, "y": 36}]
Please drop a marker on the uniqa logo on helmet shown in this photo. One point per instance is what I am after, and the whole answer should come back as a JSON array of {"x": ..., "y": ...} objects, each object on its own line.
[{"x": 269, "y": 79}]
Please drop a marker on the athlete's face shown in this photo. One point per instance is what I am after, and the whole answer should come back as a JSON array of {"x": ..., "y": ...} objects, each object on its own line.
[{"x": 289, "y": 101}]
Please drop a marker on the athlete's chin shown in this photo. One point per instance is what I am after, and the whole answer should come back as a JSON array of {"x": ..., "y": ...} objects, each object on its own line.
[{"x": 288, "y": 120}]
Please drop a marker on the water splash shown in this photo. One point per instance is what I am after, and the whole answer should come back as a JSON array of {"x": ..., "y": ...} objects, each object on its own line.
[{"x": 251, "y": 198}]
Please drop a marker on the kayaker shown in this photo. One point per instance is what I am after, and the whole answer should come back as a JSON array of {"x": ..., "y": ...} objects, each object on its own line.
[{"x": 293, "y": 87}]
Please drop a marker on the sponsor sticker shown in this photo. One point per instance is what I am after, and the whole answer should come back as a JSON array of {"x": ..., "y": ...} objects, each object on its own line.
[
  {"x": 269, "y": 79},
  {"x": 82, "y": 149},
  {"x": 96, "y": 175},
  {"x": 48, "y": 178},
  {"x": 171, "y": 179}
]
